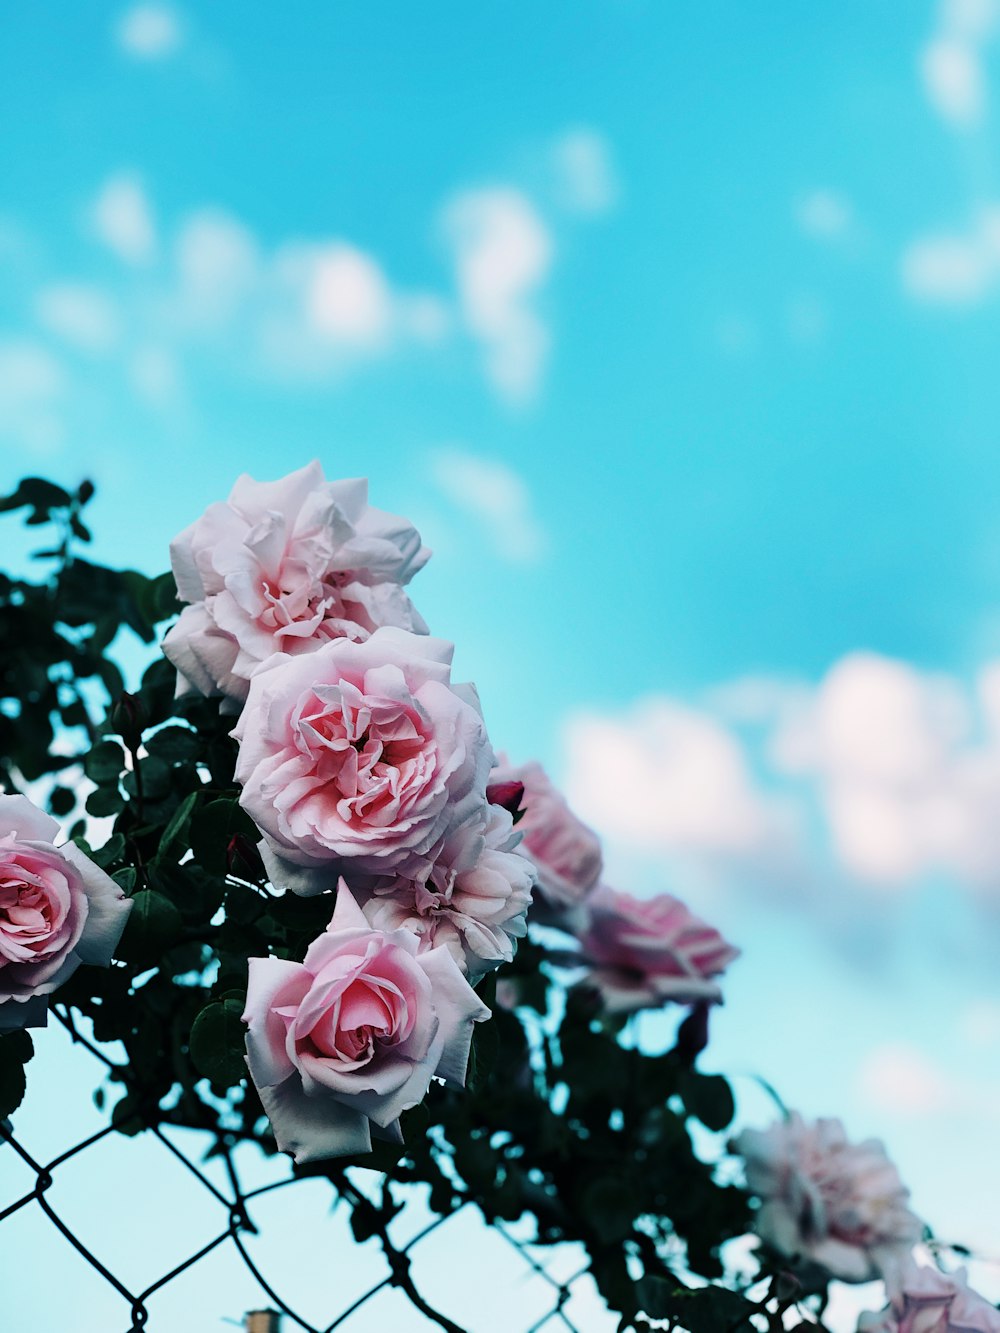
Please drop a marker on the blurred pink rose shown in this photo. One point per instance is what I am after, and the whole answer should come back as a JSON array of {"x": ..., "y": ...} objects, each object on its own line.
[
  {"x": 360, "y": 757},
  {"x": 471, "y": 894},
  {"x": 838, "y": 1204},
  {"x": 923, "y": 1300},
  {"x": 57, "y": 910},
  {"x": 342, "y": 1043},
  {"x": 645, "y": 952},
  {"x": 566, "y": 853},
  {"x": 281, "y": 567}
]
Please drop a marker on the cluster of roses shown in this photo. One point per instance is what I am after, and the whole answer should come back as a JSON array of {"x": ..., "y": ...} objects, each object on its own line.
[
  {"x": 370, "y": 775},
  {"x": 843, "y": 1207}
]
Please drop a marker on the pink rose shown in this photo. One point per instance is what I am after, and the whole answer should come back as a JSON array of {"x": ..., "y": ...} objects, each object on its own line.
[
  {"x": 923, "y": 1300},
  {"x": 57, "y": 910},
  {"x": 360, "y": 757},
  {"x": 644, "y": 952},
  {"x": 342, "y": 1043},
  {"x": 566, "y": 853},
  {"x": 281, "y": 567},
  {"x": 471, "y": 895},
  {"x": 838, "y": 1204}
]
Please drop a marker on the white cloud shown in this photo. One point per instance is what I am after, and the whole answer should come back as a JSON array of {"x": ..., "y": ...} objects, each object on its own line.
[
  {"x": 825, "y": 214},
  {"x": 670, "y": 778},
  {"x": 32, "y": 387},
  {"x": 81, "y": 313},
  {"x": 881, "y": 777},
  {"x": 348, "y": 298},
  {"x": 218, "y": 264},
  {"x": 502, "y": 253},
  {"x": 149, "y": 32},
  {"x": 496, "y": 496},
  {"x": 955, "y": 268},
  {"x": 122, "y": 218},
  {"x": 951, "y": 61},
  {"x": 906, "y": 781},
  {"x": 898, "y": 1078},
  {"x": 584, "y": 172}
]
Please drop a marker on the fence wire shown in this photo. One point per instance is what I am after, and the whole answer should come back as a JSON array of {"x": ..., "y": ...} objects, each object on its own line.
[{"x": 234, "y": 1205}]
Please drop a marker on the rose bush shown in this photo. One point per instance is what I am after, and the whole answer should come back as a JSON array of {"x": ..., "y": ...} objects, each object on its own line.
[
  {"x": 342, "y": 1043},
  {"x": 396, "y": 872},
  {"x": 57, "y": 910}
]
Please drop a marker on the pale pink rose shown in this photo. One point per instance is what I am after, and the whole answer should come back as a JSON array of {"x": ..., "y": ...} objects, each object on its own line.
[
  {"x": 471, "y": 894},
  {"x": 281, "y": 567},
  {"x": 566, "y": 853},
  {"x": 342, "y": 1043},
  {"x": 645, "y": 952},
  {"x": 360, "y": 757},
  {"x": 57, "y": 910},
  {"x": 838, "y": 1204},
  {"x": 923, "y": 1300}
]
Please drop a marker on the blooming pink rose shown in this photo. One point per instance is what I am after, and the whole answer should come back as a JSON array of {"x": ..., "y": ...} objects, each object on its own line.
[
  {"x": 57, "y": 910},
  {"x": 566, "y": 853},
  {"x": 471, "y": 894},
  {"x": 644, "y": 952},
  {"x": 342, "y": 1043},
  {"x": 923, "y": 1300},
  {"x": 360, "y": 757},
  {"x": 281, "y": 567},
  {"x": 838, "y": 1204}
]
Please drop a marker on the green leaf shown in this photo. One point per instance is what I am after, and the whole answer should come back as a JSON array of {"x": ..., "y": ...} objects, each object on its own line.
[
  {"x": 174, "y": 744},
  {"x": 40, "y": 494},
  {"x": 211, "y": 829},
  {"x": 104, "y": 763},
  {"x": 709, "y": 1098},
  {"x": 365, "y": 1220},
  {"x": 61, "y": 801},
  {"x": 609, "y": 1207},
  {"x": 104, "y": 801},
  {"x": 154, "y": 924},
  {"x": 174, "y": 842},
  {"x": 125, "y": 1116},
  {"x": 218, "y": 1042},
  {"x": 15, "y": 1051}
]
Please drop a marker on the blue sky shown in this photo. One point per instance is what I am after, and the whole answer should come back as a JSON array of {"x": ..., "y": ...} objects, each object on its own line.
[{"x": 674, "y": 327}]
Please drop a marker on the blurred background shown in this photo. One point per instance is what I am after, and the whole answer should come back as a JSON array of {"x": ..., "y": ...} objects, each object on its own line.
[{"x": 675, "y": 328}]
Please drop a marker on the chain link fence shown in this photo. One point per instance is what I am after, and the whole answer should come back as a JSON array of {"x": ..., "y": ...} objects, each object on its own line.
[{"x": 539, "y": 1296}]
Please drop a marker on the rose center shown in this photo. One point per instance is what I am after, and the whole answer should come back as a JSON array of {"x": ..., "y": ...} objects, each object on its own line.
[{"x": 24, "y": 909}]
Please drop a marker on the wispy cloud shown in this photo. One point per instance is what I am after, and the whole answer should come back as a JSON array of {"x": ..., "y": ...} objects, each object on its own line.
[
  {"x": 81, "y": 313},
  {"x": 584, "y": 173},
  {"x": 502, "y": 252},
  {"x": 824, "y": 214},
  {"x": 951, "y": 61},
  {"x": 32, "y": 392},
  {"x": 955, "y": 268},
  {"x": 122, "y": 219},
  {"x": 497, "y": 497},
  {"x": 149, "y": 32}
]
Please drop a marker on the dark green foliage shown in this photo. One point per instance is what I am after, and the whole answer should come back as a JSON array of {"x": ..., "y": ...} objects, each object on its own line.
[{"x": 562, "y": 1121}]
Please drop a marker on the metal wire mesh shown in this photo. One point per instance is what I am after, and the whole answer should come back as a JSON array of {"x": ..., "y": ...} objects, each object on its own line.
[{"x": 234, "y": 1207}]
